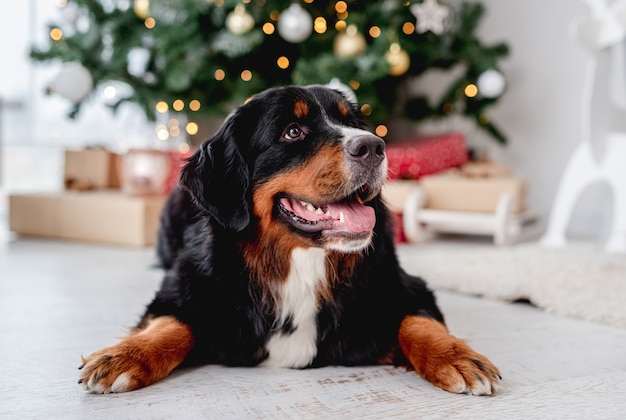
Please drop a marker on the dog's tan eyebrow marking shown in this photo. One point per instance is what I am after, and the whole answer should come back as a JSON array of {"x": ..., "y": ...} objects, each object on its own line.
[
  {"x": 343, "y": 108},
  {"x": 300, "y": 109}
]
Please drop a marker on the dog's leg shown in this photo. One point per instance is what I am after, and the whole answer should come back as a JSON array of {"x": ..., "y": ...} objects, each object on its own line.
[
  {"x": 444, "y": 360},
  {"x": 140, "y": 359}
]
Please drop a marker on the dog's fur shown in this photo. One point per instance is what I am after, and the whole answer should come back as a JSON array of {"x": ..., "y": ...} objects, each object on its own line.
[{"x": 278, "y": 252}]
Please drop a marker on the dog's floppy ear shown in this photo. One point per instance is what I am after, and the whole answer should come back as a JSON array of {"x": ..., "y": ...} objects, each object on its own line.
[{"x": 218, "y": 179}]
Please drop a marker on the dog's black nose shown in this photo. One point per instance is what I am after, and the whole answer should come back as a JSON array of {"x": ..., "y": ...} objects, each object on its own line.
[{"x": 368, "y": 150}]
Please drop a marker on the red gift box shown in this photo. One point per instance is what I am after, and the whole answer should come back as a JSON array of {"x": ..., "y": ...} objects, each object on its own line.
[
  {"x": 419, "y": 156},
  {"x": 398, "y": 229},
  {"x": 177, "y": 160}
]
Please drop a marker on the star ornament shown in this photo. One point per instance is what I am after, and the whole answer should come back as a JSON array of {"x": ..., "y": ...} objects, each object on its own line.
[{"x": 430, "y": 16}]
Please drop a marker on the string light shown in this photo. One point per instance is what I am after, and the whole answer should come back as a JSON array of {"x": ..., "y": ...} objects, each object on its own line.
[
  {"x": 175, "y": 131},
  {"x": 319, "y": 25},
  {"x": 471, "y": 90},
  {"x": 109, "y": 92},
  {"x": 162, "y": 107},
  {"x": 246, "y": 75},
  {"x": 374, "y": 31},
  {"x": 381, "y": 130},
  {"x": 408, "y": 28},
  {"x": 178, "y": 105},
  {"x": 366, "y": 109},
  {"x": 194, "y": 105},
  {"x": 150, "y": 23},
  {"x": 340, "y": 25},
  {"x": 191, "y": 128},
  {"x": 56, "y": 34},
  {"x": 219, "y": 74},
  {"x": 268, "y": 28},
  {"x": 162, "y": 132},
  {"x": 341, "y": 7},
  {"x": 184, "y": 148},
  {"x": 282, "y": 62}
]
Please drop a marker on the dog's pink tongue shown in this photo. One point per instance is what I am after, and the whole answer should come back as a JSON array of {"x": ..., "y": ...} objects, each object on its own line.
[{"x": 356, "y": 217}]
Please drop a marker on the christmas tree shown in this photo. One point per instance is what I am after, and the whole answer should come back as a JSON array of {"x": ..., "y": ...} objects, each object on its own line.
[{"x": 204, "y": 56}]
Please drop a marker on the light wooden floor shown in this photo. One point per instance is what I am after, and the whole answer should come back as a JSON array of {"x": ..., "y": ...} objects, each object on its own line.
[{"x": 59, "y": 300}]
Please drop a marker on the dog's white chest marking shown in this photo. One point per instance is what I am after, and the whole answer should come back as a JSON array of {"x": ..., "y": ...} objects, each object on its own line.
[{"x": 296, "y": 346}]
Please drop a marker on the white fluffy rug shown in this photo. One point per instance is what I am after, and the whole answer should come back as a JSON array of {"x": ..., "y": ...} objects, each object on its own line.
[{"x": 579, "y": 280}]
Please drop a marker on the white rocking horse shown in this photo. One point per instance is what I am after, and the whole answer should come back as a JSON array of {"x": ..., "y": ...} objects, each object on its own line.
[{"x": 601, "y": 154}]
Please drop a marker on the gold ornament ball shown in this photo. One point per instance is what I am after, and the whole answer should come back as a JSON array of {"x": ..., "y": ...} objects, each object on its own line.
[
  {"x": 142, "y": 8},
  {"x": 398, "y": 59},
  {"x": 239, "y": 21},
  {"x": 350, "y": 43}
]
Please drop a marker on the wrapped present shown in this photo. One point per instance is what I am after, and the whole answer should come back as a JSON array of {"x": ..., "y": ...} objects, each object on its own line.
[
  {"x": 144, "y": 171},
  {"x": 416, "y": 157},
  {"x": 177, "y": 161},
  {"x": 473, "y": 188},
  {"x": 398, "y": 230},
  {"x": 102, "y": 216},
  {"x": 91, "y": 169}
]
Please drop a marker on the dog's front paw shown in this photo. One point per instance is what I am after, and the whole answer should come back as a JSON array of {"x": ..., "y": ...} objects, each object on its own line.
[
  {"x": 140, "y": 359},
  {"x": 461, "y": 370},
  {"x": 113, "y": 369},
  {"x": 446, "y": 361}
]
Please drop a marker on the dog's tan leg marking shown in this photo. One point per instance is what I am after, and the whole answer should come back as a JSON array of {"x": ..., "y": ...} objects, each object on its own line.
[
  {"x": 444, "y": 360},
  {"x": 140, "y": 359}
]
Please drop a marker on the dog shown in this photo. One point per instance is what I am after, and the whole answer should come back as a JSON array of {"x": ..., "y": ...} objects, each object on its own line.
[{"x": 278, "y": 251}]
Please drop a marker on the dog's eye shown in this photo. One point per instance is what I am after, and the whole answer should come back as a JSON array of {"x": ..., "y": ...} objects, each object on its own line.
[{"x": 293, "y": 132}]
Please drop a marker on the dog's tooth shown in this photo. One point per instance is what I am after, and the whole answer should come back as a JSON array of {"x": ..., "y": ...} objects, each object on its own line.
[
  {"x": 304, "y": 203},
  {"x": 310, "y": 207},
  {"x": 342, "y": 218},
  {"x": 319, "y": 211},
  {"x": 327, "y": 213}
]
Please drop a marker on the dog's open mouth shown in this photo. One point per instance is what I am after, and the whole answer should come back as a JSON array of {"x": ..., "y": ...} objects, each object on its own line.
[{"x": 349, "y": 215}]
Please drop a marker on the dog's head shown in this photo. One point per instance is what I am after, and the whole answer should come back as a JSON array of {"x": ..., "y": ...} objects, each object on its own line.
[{"x": 292, "y": 161}]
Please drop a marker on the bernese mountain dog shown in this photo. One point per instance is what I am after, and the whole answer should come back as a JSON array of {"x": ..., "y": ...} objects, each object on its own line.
[{"x": 278, "y": 251}]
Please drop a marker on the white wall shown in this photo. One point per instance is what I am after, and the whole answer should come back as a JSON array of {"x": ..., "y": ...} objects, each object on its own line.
[
  {"x": 41, "y": 119},
  {"x": 540, "y": 112},
  {"x": 542, "y": 109}
]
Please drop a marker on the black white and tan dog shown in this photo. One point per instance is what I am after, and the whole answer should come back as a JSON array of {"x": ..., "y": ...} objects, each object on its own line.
[{"x": 278, "y": 251}]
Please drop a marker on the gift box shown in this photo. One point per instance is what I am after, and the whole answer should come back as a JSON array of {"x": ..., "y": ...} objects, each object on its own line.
[
  {"x": 144, "y": 171},
  {"x": 419, "y": 156},
  {"x": 91, "y": 169},
  {"x": 177, "y": 161},
  {"x": 103, "y": 216},
  {"x": 454, "y": 192}
]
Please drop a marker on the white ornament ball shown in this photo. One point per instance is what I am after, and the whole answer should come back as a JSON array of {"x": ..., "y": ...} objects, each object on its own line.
[
  {"x": 295, "y": 24},
  {"x": 239, "y": 21},
  {"x": 350, "y": 43},
  {"x": 491, "y": 84},
  {"x": 73, "y": 82}
]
